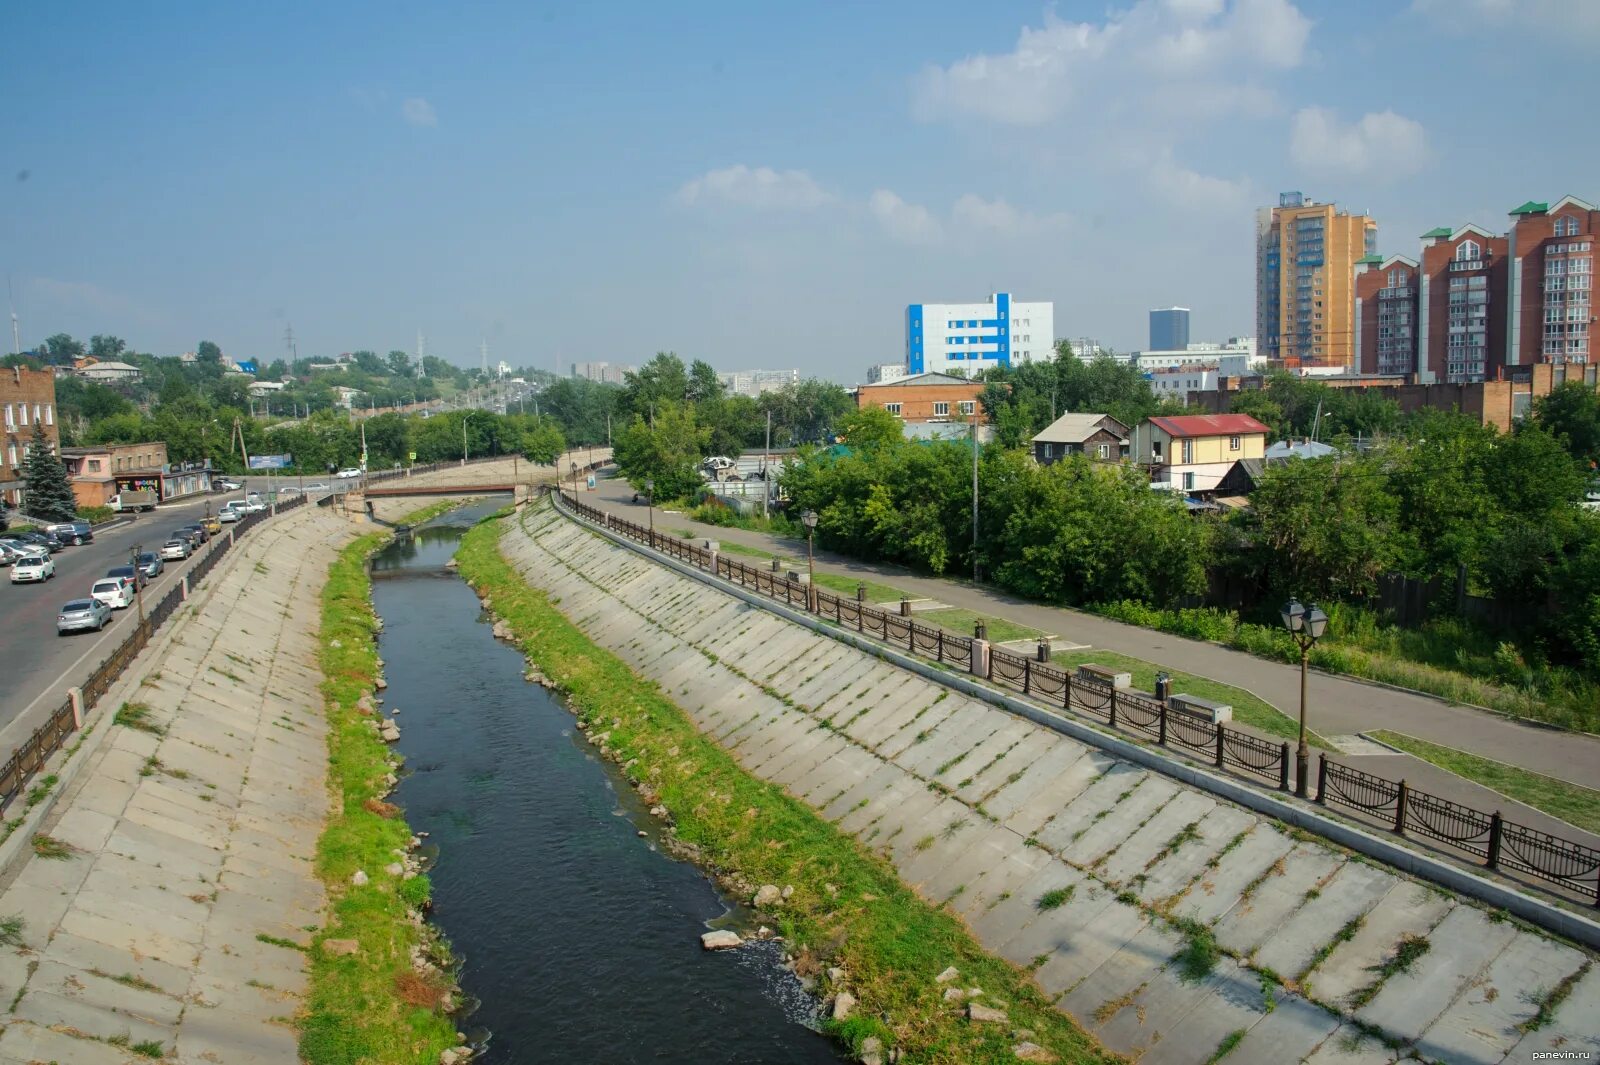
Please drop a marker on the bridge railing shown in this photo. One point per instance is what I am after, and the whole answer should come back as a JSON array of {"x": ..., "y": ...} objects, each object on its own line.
[
  {"x": 1486, "y": 838},
  {"x": 49, "y": 737}
]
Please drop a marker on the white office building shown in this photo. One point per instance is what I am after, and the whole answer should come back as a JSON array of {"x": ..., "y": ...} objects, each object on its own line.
[
  {"x": 1236, "y": 358},
  {"x": 888, "y": 371},
  {"x": 1179, "y": 381},
  {"x": 972, "y": 337}
]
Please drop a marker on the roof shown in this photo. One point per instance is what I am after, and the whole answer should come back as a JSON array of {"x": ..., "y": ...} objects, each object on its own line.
[
  {"x": 1076, "y": 428},
  {"x": 1531, "y": 207},
  {"x": 1303, "y": 449},
  {"x": 1208, "y": 425},
  {"x": 1574, "y": 201},
  {"x": 1439, "y": 231},
  {"x": 115, "y": 367},
  {"x": 1372, "y": 259},
  {"x": 1241, "y": 478},
  {"x": 930, "y": 377}
]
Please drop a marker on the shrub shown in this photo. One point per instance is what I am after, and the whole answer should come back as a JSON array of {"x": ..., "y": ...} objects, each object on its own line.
[{"x": 96, "y": 515}]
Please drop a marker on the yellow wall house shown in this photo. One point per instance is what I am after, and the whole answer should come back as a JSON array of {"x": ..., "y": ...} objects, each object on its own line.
[{"x": 1192, "y": 452}]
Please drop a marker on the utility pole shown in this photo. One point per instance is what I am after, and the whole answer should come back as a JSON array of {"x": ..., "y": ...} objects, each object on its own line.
[
  {"x": 463, "y": 440},
  {"x": 288, "y": 343},
  {"x": 766, "y": 472},
  {"x": 974, "y": 495},
  {"x": 16, "y": 335}
]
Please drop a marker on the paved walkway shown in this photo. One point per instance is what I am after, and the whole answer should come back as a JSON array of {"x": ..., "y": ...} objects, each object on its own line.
[
  {"x": 1339, "y": 705},
  {"x": 185, "y": 848}
]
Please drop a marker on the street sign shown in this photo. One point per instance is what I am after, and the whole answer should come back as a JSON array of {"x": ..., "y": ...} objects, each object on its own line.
[
  {"x": 413, "y": 456},
  {"x": 270, "y": 462}
]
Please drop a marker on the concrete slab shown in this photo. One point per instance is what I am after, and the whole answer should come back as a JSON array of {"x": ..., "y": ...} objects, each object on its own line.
[
  {"x": 1354, "y": 890},
  {"x": 1408, "y": 909},
  {"x": 1572, "y": 1029},
  {"x": 1460, "y": 948},
  {"x": 1233, "y": 1003},
  {"x": 1286, "y": 886},
  {"x": 1291, "y": 1032},
  {"x": 1216, "y": 891}
]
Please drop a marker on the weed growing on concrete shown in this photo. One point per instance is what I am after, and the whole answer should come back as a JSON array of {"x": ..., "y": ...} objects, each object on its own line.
[
  {"x": 1269, "y": 991},
  {"x": 149, "y": 1048},
  {"x": 137, "y": 716},
  {"x": 924, "y": 843},
  {"x": 278, "y": 941},
  {"x": 1550, "y": 1001},
  {"x": 1055, "y": 898},
  {"x": 51, "y": 849},
  {"x": 11, "y": 930},
  {"x": 1200, "y": 953},
  {"x": 152, "y": 765},
  {"x": 1405, "y": 955},
  {"x": 1344, "y": 935},
  {"x": 1224, "y": 1048},
  {"x": 39, "y": 791}
]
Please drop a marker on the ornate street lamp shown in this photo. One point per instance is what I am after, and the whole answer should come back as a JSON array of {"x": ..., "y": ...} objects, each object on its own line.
[
  {"x": 650, "y": 504},
  {"x": 1306, "y": 624},
  {"x": 809, "y": 520}
]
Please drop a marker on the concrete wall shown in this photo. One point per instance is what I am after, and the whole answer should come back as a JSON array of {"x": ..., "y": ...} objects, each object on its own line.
[{"x": 987, "y": 813}]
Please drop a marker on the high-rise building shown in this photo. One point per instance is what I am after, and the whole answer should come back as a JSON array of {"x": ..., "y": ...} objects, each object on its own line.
[
  {"x": 1461, "y": 305},
  {"x": 1306, "y": 253},
  {"x": 753, "y": 383},
  {"x": 975, "y": 336},
  {"x": 1551, "y": 279},
  {"x": 1386, "y": 315},
  {"x": 1169, "y": 329}
]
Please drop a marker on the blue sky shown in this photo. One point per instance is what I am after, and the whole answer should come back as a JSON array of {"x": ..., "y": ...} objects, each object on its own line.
[{"x": 756, "y": 185}]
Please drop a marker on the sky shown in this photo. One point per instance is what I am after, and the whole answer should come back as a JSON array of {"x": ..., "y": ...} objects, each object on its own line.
[{"x": 758, "y": 185}]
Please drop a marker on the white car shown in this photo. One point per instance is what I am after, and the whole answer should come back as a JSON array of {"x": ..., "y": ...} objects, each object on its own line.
[
  {"x": 32, "y": 569},
  {"x": 318, "y": 487},
  {"x": 231, "y": 485},
  {"x": 347, "y": 474},
  {"x": 113, "y": 593},
  {"x": 227, "y": 515},
  {"x": 24, "y": 549}
]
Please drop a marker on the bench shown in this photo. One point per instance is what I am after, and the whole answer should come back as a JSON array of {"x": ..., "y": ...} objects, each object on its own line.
[
  {"x": 1104, "y": 675},
  {"x": 1216, "y": 713}
]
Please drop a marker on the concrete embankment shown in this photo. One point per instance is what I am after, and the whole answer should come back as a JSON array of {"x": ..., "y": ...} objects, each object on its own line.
[
  {"x": 164, "y": 899},
  {"x": 1167, "y": 922}
]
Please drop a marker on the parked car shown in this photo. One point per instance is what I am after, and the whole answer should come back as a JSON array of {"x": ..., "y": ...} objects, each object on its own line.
[
  {"x": 39, "y": 539},
  {"x": 194, "y": 532},
  {"x": 230, "y": 485},
  {"x": 24, "y": 549},
  {"x": 349, "y": 473},
  {"x": 32, "y": 569},
  {"x": 227, "y": 515},
  {"x": 210, "y": 525},
  {"x": 150, "y": 564},
  {"x": 8, "y": 556},
  {"x": 113, "y": 592},
  {"x": 132, "y": 573},
  {"x": 80, "y": 614},
  {"x": 177, "y": 549},
  {"x": 71, "y": 532},
  {"x": 318, "y": 487}
]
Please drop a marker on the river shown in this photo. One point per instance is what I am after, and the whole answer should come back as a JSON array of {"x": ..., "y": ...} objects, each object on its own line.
[{"x": 580, "y": 939}]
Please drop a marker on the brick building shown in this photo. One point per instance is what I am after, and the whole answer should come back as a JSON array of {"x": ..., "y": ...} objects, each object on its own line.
[
  {"x": 27, "y": 397},
  {"x": 1551, "y": 282},
  {"x": 1461, "y": 306},
  {"x": 100, "y": 471},
  {"x": 1386, "y": 315},
  {"x": 1306, "y": 254}
]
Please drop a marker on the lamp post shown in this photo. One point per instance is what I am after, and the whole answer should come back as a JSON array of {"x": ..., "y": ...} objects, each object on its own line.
[
  {"x": 809, "y": 520},
  {"x": 1306, "y": 624},
  {"x": 138, "y": 586},
  {"x": 650, "y": 505},
  {"x": 574, "y": 481}
]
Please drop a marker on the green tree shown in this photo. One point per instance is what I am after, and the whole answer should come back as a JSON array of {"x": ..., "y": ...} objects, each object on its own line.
[
  {"x": 1571, "y": 414},
  {"x": 61, "y": 350},
  {"x": 805, "y": 412},
  {"x": 663, "y": 379},
  {"x": 277, "y": 371},
  {"x": 49, "y": 493},
  {"x": 704, "y": 385},
  {"x": 543, "y": 442},
  {"x": 368, "y": 362},
  {"x": 208, "y": 352},
  {"x": 399, "y": 363},
  {"x": 107, "y": 348},
  {"x": 1326, "y": 527},
  {"x": 667, "y": 452},
  {"x": 870, "y": 427}
]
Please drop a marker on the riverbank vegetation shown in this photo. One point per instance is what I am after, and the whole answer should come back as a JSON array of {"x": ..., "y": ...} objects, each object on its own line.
[
  {"x": 367, "y": 1007},
  {"x": 848, "y": 908}
]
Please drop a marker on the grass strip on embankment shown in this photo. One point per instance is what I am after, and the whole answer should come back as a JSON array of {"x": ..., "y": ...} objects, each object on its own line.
[
  {"x": 1573, "y": 803},
  {"x": 370, "y": 1007},
  {"x": 848, "y": 908}
]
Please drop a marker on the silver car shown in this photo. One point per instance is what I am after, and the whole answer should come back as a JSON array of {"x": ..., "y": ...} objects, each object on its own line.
[
  {"x": 80, "y": 614},
  {"x": 176, "y": 550}
]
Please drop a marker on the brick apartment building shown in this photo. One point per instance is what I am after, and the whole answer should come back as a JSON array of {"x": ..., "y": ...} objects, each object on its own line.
[
  {"x": 99, "y": 472},
  {"x": 1477, "y": 305},
  {"x": 27, "y": 397},
  {"x": 929, "y": 405},
  {"x": 1551, "y": 283},
  {"x": 1306, "y": 254}
]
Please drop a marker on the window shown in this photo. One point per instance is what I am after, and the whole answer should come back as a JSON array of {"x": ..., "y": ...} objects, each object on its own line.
[
  {"x": 22, "y": 409},
  {"x": 967, "y": 406},
  {"x": 11, "y": 417},
  {"x": 1467, "y": 251},
  {"x": 49, "y": 414},
  {"x": 892, "y": 408},
  {"x": 94, "y": 465},
  {"x": 1233, "y": 443},
  {"x": 38, "y": 413},
  {"x": 1103, "y": 451},
  {"x": 1188, "y": 451},
  {"x": 11, "y": 454},
  {"x": 941, "y": 410},
  {"x": 1188, "y": 482}
]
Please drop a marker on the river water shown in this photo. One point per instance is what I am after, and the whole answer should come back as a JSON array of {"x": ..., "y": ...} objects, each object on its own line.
[{"x": 580, "y": 939}]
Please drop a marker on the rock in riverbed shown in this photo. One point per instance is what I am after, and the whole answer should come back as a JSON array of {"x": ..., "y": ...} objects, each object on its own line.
[{"x": 722, "y": 939}]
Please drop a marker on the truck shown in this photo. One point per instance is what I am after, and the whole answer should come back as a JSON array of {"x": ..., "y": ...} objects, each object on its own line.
[{"x": 143, "y": 499}]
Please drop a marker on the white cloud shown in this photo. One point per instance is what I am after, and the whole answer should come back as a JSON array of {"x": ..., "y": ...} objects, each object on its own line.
[
  {"x": 999, "y": 217},
  {"x": 418, "y": 112},
  {"x": 759, "y": 187},
  {"x": 1378, "y": 143},
  {"x": 1192, "y": 190},
  {"x": 1573, "y": 19},
  {"x": 908, "y": 222},
  {"x": 1158, "y": 53}
]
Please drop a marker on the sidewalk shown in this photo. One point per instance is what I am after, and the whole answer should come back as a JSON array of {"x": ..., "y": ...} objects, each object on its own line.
[
  {"x": 188, "y": 852},
  {"x": 1339, "y": 706}
]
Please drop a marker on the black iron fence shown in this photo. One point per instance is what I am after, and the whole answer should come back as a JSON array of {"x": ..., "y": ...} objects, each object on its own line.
[
  {"x": 49, "y": 737},
  {"x": 1486, "y": 838}
]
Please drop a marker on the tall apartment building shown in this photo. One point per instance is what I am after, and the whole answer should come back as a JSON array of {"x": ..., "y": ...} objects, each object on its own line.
[
  {"x": 27, "y": 397},
  {"x": 1386, "y": 315},
  {"x": 1477, "y": 304},
  {"x": 602, "y": 372},
  {"x": 972, "y": 337},
  {"x": 753, "y": 383},
  {"x": 1306, "y": 253},
  {"x": 1551, "y": 282},
  {"x": 1169, "y": 329}
]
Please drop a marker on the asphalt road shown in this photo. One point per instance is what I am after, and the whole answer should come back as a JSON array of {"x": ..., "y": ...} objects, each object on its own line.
[{"x": 35, "y": 661}]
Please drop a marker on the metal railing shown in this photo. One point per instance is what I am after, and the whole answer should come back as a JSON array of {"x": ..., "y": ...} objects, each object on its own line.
[
  {"x": 49, "y": 737},
  {"x": 1486, "y": 838}
]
